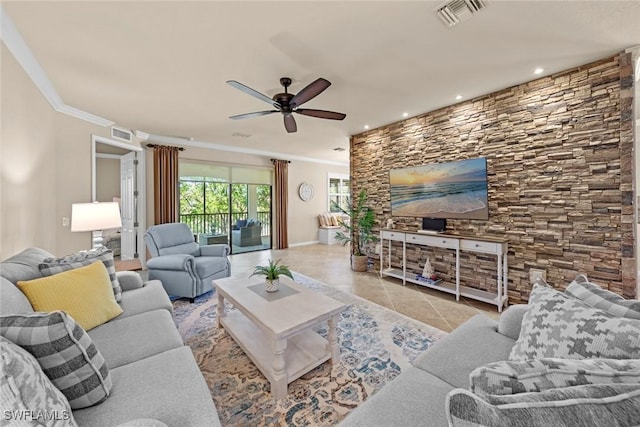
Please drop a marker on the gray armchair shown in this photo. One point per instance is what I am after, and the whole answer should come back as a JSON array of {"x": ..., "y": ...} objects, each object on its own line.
[{"x": 185, "y": 269}]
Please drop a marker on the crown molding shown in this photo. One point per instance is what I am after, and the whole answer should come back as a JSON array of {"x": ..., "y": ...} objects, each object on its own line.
[
  {"x": 18, "y": 47},
  {"x": 220, "y": 147}
]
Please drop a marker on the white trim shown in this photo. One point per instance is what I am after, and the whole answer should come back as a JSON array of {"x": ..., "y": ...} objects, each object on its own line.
[
  {"x": 108, "y": 156},
  {"x": 221, "y": 147},
  {"x": 18, "y": 47},
  {"x": 311, "y": 242}
]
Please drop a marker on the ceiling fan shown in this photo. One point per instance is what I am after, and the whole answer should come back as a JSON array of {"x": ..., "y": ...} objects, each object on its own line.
[{"x": 288, "y": 103}]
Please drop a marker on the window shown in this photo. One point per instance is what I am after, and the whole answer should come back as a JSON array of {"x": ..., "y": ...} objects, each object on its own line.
[{"x": 339, "y": 192}]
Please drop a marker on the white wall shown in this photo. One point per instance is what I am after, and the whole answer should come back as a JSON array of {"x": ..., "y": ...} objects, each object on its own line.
[{"x": 107, "y": 179}]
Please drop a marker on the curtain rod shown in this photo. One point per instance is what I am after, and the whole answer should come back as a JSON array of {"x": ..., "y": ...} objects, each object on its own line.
[
  {"x": 278, "y": 160},
  {"x": 160, "y": 146}
]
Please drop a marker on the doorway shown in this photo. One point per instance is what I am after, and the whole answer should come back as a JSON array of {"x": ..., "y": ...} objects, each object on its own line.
[{"x": 118, "y": 175}]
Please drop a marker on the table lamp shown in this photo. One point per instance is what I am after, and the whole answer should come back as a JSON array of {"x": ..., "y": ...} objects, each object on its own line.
[{"x": 95, "y": 217}]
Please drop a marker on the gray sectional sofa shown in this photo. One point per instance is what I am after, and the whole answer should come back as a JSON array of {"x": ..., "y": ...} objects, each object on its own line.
[
  {"x": 417, "y": 396},
  {"x": 154, "y": 375}
]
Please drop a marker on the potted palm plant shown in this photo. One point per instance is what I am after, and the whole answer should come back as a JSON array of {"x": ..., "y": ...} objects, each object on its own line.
[
  {"x": 359, "y": 230},
  {"x": 272, "y": 273}
]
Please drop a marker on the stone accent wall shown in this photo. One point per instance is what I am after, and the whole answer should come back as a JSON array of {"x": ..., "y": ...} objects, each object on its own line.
[{"x": 559, "y": 160}]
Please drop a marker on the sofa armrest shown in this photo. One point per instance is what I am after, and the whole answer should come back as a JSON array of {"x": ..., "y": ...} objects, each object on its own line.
[
  {"x": 511, "y": 320},
  {"x": 173, "y": 262},
  {"x": 129, "y": 280},
  {"x": 220, "y": 250}
]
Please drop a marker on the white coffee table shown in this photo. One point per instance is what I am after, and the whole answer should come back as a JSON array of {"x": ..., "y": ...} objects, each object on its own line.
[{"x": 275, "y": 329}]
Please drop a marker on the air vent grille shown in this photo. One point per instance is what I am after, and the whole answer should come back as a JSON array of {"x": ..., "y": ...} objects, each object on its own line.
[
  {"x": 456, "y": 11},
  {"x": 121, "y": 134}
]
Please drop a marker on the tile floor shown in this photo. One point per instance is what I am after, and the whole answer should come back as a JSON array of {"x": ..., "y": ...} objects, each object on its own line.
[{"x": 330, "y": 265}]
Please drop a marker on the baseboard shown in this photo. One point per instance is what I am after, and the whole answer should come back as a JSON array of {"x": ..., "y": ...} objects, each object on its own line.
[{"x": 312, "y": 242}]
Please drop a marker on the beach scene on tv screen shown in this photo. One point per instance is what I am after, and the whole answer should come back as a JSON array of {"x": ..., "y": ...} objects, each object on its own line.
[{"x": 441, "y": 190}]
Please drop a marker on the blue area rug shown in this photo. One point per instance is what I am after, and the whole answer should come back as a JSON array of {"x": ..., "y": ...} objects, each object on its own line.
[{"x": 376, "y": 344}]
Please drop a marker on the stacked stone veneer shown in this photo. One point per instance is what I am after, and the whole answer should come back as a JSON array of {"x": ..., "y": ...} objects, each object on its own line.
[{"x": 559, "y": 159}]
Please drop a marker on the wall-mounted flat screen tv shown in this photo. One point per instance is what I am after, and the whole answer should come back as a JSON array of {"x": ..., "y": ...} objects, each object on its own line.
[{"x": 441, "y": 190}]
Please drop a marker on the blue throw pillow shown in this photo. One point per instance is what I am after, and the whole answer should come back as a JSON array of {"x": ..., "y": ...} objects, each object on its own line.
[{"x": 241, "y": 223}]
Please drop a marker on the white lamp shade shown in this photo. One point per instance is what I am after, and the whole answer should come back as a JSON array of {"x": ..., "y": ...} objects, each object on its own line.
[{"x": 95, "y": 216}]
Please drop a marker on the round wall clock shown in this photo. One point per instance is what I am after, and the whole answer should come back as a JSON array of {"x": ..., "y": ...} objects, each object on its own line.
[{"x": 305, "y": 191}]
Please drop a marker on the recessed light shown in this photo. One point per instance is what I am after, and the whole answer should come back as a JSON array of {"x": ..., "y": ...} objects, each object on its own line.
[
  {"x": 458, "y": 97},
  {"x": 366, "y": 126},
  {"x": 538, "y": 71},
  {"x": 405, "y": 114}
]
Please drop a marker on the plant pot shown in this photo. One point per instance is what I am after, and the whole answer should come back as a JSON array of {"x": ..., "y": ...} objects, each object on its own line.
[
  {"x": 271, "y": 285},
  {"x": 359, "y": 262}
]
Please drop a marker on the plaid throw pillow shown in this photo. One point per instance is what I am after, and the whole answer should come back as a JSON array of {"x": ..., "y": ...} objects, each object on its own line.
[
  {"x": 24, "y": 387},
  {"x": 594, "y": 296},
  {"x": 65, "y": 352},
  {"x": 51, "y": 266},
  {"x": 585, "y": 405},
  {"x": 556, "y": 325},
  {"x": 506, "y": 377}
]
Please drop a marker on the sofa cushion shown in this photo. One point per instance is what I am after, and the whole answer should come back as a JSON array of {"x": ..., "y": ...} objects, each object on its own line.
[
  {"x": 167, "y": 387},
  {"x": 507, "y": 377},
  {"x": 66, "y": 353},
  {"x": 125, "y": 340},
  {"x": 24, "y": 387},
  {"x": 556, "y": 325},
  {"x": 594, "y": 296},
  {"x": 456, "y": 355},
  {"x": 414, "y": 398},
  {"x": 52, "y": 266},
  {"x": 586, "y": 405},
  {"x": 84, "y": 293},
  {"x": 151, "y": 296},
  {"x": 13, "y": 300},
  {"x": 24, "y": 265}
]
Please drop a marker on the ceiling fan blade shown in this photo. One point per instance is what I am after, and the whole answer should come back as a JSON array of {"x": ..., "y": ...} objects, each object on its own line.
[
  {"x": 254, "y": 93},
  {"x": 310, "y": 91},
  {"x": 331, "y": 115},
  {"x": 256, "y": 114},
  {"x": 290, "y": 123}
]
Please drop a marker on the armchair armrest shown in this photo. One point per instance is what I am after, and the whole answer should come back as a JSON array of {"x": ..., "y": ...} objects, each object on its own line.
[
  {"x": 511, "y": 320},
  {"x": 129, "y": 280},
  {"x": 220, "y": 250},
  {"x": 173, "y": 262}
]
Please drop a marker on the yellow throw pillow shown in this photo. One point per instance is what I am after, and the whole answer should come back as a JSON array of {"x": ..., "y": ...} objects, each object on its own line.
[{"x": 84, "y": 293}]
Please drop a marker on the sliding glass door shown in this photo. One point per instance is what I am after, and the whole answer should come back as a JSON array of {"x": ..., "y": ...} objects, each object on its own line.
[{"x": 219, "y": 208}]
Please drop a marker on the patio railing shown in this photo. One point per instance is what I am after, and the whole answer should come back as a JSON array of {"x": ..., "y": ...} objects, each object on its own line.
[{"x": 218, "y": 223}]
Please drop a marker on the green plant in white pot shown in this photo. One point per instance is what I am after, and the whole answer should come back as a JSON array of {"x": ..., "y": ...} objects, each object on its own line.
[
  {"x": 272, "y": 273},
  {"x": 359, "y": 230}
]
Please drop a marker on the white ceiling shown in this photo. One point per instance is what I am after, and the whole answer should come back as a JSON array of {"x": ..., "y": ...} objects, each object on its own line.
[{"x": 161, "y": 67}]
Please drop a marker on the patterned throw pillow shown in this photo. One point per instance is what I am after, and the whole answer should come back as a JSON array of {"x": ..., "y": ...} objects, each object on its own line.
[
  {"x": 27, "y": 396},
  {"x": 65, "y": 352},
  {"x": 556, "y": 325},
  {"x": 594, "y": 296},
  {"x": 585, "y": 405},
  {"x": 506, "y": 377},
  {"x": 51, "y": 266}
]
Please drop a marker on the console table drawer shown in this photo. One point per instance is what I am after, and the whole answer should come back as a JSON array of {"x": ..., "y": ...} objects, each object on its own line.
[
  {"x": 393, "y": 235},
  {"x": 477, "y": 246},
  {"x": 437, "y": 241}
]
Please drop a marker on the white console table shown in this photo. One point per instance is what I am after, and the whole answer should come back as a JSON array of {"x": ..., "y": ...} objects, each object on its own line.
[{"x": 497, "y": 247}]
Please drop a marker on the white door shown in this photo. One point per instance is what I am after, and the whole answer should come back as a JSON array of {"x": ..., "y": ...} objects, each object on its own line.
[{"x": 128, "y": 198}]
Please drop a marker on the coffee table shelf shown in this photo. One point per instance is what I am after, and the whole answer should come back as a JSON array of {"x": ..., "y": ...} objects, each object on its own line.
[{"x": 304, "y": 352}]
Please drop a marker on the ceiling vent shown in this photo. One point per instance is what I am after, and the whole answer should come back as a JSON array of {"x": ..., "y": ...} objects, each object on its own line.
[
  {"x": 121, "y": 134},
  {"x": 456, "y": 11}
]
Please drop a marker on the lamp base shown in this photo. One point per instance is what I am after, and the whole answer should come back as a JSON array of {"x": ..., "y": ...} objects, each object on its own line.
[{"x": 97, "y": 239}]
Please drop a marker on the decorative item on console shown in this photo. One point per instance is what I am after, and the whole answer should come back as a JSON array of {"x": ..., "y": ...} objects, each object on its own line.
[
  {"x": 390, "y": 223},
  {"x": 428, "y": 274}
]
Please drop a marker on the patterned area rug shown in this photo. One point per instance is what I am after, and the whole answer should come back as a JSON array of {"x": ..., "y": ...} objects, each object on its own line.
[{"x": 375, "y": 345}]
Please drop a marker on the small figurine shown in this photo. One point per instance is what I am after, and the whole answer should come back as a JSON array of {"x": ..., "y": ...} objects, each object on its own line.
[
  {"x": 427, "y": 271},
  {"x": 390, "y": 223}
]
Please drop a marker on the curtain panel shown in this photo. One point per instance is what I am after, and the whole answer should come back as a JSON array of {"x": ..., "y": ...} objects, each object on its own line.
[
  {"x": 165, "y": 183},
  {"x": 282, "y": 202}
]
